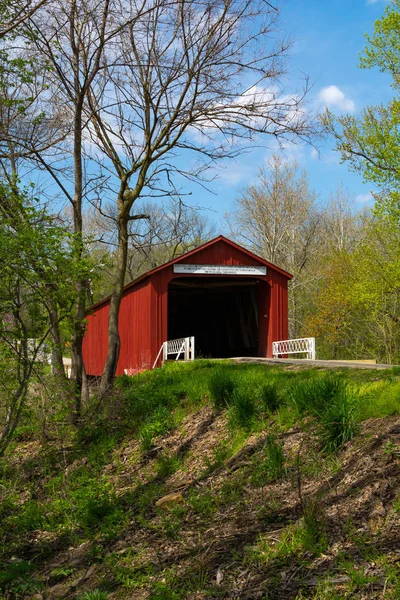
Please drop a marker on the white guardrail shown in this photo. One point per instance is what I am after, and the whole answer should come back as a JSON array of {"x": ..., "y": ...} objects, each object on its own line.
[
  {"x": 185, "y": 345},
  {"x": 306, "y": 345}
]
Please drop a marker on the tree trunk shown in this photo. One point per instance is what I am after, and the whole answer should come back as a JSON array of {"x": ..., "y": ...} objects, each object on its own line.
[
  {"x": 80, "y": 286},
  {"x": 113, "y": 333}
]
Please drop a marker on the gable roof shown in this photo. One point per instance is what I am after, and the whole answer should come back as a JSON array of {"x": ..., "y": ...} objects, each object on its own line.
[{"x": 219, "y": 238}]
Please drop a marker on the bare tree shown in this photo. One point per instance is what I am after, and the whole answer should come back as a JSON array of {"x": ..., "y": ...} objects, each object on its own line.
[
  {"x": 171, "y": 229},
  {"x": 342, "y": 225},
  {"x": 72, "y": 37},
  {"x": 191, "y": 77},
  {"x": 279, "y": 219}
]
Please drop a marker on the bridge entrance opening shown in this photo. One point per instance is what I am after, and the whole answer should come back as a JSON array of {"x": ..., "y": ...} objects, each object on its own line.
[{"x": 222, "y": 314}]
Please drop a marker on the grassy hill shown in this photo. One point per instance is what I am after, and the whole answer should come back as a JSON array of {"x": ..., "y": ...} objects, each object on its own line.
[{"x": 210, "y": 480}]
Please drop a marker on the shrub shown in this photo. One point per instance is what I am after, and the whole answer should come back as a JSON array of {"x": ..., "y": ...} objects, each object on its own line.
[
  {"x": 221, "y": 387},
  {"x": 242, "y": 410}
]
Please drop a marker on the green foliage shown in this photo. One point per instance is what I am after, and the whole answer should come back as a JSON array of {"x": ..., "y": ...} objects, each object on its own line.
[
  {"x": 16, "y": 579},
  {"x": 380, "y": 400},
  {"x": 132, "y": 578},
  {"x": 79, "y": 500},
  {"x": 157, "y": 424},
  {"x": 222, "y": 386}
]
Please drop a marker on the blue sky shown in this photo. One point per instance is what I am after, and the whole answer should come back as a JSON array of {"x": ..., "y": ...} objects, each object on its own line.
[{"x": 329, "y": 36}]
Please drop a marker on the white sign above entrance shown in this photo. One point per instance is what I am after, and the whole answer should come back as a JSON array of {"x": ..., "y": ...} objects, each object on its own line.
[{"x": 220, "y": 269}]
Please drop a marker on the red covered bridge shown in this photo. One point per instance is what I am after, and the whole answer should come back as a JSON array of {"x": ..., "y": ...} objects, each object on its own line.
[{"x": 234, "y": 303}]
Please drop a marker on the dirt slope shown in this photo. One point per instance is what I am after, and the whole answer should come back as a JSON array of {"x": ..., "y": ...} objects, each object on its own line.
[{"x": 224, "y": 536}]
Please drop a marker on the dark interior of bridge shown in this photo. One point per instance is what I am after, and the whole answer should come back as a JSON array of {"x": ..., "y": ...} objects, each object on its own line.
[{"x": 221, "y": 313}]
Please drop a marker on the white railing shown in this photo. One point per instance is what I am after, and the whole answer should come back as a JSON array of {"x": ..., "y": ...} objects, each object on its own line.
[
  {"x": 294, "y": 347},
  {"x": 185, "y": 345}
]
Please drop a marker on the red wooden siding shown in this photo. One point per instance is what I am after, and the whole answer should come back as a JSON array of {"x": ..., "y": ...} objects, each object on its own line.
[{"x": 143, "y": 320}]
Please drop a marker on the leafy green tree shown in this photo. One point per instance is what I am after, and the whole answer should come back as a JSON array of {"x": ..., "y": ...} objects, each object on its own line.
[
  {"x": 357, "y": 309},
  {"x": 37, "y": 273},
  {"x": 370, "y": 143}
]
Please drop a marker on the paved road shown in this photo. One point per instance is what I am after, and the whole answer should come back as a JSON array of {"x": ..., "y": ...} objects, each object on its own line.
[{"x": 303, "y": 362}]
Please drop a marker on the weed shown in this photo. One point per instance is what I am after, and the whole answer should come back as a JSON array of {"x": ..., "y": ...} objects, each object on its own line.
[
  {"x": 95, "y": 502},
  {"x": 270, "y": 397},
  {"x": 163, "y": 591},
  {"x": 202, "y": 503},
  {"x": 157, "y": 424},
  {"x": 391, "y": 449},
  {"x": 146, "y": 436},
  {"x": 315, "y": 394},
  {"x": 146, "y": 495},
  {"x": 167, "y": 465},
  {"x": 231, "y": 491},
  {"x": 242, "y": 410},
  {"x": 380, "y": 399},
  {"x": 313, "y": 537},
  {"x": 133, "y": 577},
  {"x": 61, "y": 573},
  {"x": 304, "y": 536},
  {"x": 220, "y": 453},
  {"x": 271, "y": 466},
  {"x": 294, "y": 541},
  {"x": 313, "y": 464},
  {"x": 94, "y": 595},
  {"x": 221, "y": 386},
  {"x": 325, "y": 590},
  {"x": 171, "y": 521},
  {"x": 338, "y": 423}
]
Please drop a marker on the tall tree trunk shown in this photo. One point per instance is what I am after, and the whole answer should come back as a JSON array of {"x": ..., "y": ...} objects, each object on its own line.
[
  {"x": 115, "y": 302},
  {"x": 80, "y": 286}
]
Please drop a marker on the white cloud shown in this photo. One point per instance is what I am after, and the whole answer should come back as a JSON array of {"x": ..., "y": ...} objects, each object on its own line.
[
  {"x": 364, "y": 198},
  {"x": 333, "y": 97}
]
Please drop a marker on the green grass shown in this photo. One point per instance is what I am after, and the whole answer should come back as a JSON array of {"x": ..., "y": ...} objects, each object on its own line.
[
  {"x": 270, "y": 466},
  {"x": 221, "y": 386},
  {"x": 270, "y": 397},
  {"x": 241, "y": 410},
  {"x": 338, "y": 422}
]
